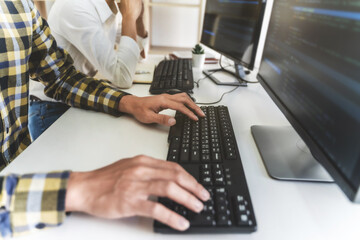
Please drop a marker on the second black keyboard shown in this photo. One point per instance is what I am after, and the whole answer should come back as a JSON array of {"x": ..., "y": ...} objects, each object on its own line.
[
  {"x": 207, "y": 149},
  {"x": 172, "y": 74}
]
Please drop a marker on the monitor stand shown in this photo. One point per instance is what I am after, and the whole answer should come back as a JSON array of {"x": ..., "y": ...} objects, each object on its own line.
[
  {"x": 285, "y": 155},
  {"x": 239, "y": 74}
]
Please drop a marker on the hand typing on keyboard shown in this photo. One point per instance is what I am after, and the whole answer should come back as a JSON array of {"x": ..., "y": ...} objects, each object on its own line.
[
  {"x": 146, "y": 109},
  {"x": 122, "y": 190}
]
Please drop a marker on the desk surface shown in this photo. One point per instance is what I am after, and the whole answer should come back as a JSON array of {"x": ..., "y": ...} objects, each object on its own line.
[{"x": 84, "y": 140}]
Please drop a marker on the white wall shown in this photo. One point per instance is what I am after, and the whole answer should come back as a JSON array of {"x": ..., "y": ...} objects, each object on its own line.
[
  {"x": 174, "y": 26},
  {"x": 177, "y": 27}
]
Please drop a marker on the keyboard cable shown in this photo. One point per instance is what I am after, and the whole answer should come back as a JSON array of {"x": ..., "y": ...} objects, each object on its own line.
[
  {"x": 211, "y": 103},
  {"x": 222, "y": 96}
]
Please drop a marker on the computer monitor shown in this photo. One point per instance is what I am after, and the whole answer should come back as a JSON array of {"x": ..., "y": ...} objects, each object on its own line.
[
  {"x": 232, "y": 28},
  {"x": 311, "y": 69}
]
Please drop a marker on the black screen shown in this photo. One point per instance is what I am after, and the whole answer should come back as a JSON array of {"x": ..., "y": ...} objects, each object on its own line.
[
  {"x": 311, "y": 64},
  {"x": 232, "y": 27}
]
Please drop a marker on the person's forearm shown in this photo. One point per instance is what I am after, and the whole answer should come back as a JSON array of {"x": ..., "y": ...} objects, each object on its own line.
[
  {"x": 140, "y": 28},
  {"x": 129, "y": 26}
]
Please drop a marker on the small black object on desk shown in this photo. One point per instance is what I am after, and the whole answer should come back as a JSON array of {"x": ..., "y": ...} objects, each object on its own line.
[{"x": 173, "y": 91}]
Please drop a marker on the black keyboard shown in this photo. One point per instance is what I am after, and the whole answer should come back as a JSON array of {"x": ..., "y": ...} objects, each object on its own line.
[
  {"x": 207, "y": 149},
  {"x": 172, "y": 74}
]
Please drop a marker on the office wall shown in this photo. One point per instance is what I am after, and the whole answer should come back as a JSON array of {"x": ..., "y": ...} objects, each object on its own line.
[{"x": 175, "y": 26}]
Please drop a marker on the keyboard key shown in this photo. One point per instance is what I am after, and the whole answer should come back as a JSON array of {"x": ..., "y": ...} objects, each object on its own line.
[
  {"x": 220, "y": 190},
  {"x": 206, "y": 173},
  {"x": 223, "y": 220},
  {"x": 175, "y": 143},
  {"x": 221, "y": 207},
  {"x": 218, "y": 173},
  {"x": 202, "y": 220},
  {"x": 173, "y": 155},
  {"x": 205, "y": 157},
  {"x": 205, "y": 167},
  {"x": 215, "y": 156},
  {"x": 209, "y": 209},
  {"x": 184, "y": 155},
  {"x": 242, "y": 208},
  {"x": 242, "y": 219},
  {"x": 206, "y": 181},
  {"x": 230, "y": 154},
  {"x": 195, "y": 156},
  {"x": 180, "y": 210},
  {"x": 219, "y": 181}
]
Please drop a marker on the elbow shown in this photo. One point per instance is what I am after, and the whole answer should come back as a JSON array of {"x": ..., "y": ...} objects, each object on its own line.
[
  {"x": 123, "y": 75},
  {"x": 123, "y": 81},
  {"x": 127, "y": 84}
]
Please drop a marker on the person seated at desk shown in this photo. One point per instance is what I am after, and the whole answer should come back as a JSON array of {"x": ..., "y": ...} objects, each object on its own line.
[
  {"x": 91, "y": 31},
  {"x": 36, "y": 201}
]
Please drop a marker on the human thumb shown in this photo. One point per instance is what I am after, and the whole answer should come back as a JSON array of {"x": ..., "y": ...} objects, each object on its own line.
[{"x": 164, "y": 119}]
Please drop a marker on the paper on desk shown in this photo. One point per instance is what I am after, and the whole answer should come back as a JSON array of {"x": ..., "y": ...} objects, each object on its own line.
[{"x": 146, "y": 69}]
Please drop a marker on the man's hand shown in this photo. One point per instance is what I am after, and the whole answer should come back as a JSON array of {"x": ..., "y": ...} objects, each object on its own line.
[
  {"x": 122, "y": 190},
  {"x": 146, "y": 109}
]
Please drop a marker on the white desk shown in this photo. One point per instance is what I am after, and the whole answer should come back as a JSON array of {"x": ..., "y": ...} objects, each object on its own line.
[{"x": 84, "y": 140}]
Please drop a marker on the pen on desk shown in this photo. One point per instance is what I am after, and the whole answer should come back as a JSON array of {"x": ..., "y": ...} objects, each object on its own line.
[{"x": 142, "y": 72}]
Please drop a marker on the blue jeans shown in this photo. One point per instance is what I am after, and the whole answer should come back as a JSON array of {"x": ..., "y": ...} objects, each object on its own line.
[{"x": 42, "y": 114}]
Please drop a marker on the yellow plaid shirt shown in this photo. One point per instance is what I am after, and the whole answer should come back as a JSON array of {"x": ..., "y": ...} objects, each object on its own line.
[{"x": 28, "y": 50}]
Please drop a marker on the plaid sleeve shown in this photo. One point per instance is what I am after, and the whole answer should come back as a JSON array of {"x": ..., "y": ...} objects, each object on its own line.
[
  {"x": 53, "y": 66},
  {"x": 32, "y": 201}
]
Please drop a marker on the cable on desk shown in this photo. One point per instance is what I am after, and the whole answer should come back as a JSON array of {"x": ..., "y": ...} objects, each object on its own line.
[
  {"x": 198, "y": 81},
  {"x": 224, "y": 69},
  {"x": 211, "y": 103}
]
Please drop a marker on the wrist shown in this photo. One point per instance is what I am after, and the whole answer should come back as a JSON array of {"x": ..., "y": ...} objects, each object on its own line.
[
  {"x": 127, "y": 103},
  {"x": 74, "y": 193}
]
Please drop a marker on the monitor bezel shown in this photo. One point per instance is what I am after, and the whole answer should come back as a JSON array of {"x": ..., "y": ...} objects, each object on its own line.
[
  {"x": 256, "y": 36},
  {"x": 318, "y": 153}
]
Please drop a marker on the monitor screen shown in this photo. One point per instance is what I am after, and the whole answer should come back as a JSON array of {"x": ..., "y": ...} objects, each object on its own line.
[
  {"x": 311, "y": 69},
  {"x": 232, "y": 27}
]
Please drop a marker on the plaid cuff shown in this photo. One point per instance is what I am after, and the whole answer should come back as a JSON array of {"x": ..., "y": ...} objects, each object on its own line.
[
  {"x": 112, "y": 100},
  {"x": 32, "y": 201}
]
